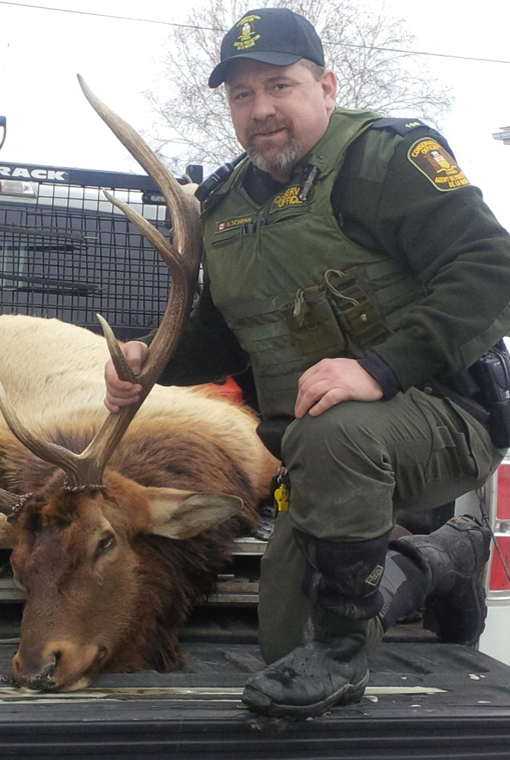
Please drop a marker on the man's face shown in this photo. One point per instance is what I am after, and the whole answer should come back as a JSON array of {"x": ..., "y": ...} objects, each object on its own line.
[{"x": 279, "y": 112}]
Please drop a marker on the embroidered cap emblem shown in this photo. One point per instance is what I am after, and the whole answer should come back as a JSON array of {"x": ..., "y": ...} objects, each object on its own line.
[{"x": 248, "y": 36}]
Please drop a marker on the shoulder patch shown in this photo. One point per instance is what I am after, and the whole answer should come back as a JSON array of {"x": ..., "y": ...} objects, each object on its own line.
[
  {"x": 437, "y": 164},
  {"x": 400, "y": 126}
]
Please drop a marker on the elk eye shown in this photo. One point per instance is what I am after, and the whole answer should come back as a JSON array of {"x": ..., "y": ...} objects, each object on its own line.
[{"x": 106, "y": 543}]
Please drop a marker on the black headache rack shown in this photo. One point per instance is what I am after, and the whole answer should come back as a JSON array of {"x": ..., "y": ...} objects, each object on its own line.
[{"x": 67, "y": 252}]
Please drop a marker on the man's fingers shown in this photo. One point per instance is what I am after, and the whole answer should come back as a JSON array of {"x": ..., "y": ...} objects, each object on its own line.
[
  {"x": 308, "y": 398},
  {"x": 325, "y": 370},
  {"x": 117, "y": 387},
  {"x": 332, "y": 381},
  {"x": 124, "y": 399},
  {"x": 135, "y": 352},
  {"x": 115, "y": 405},
  {"x": 119, "y": 392},
  {"x": 111, "y": 407},
  {"x": 122, "y": 389},
  {"x": 335, "y": 396},
  {"x": 307, "y": 376}
]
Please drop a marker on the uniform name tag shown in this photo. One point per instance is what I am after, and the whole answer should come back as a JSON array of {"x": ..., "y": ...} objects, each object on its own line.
[{"x": 236, "y": 221}]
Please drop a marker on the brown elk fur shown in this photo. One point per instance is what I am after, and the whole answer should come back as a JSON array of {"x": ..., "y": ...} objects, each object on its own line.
[{"x": 121, "y": 607}]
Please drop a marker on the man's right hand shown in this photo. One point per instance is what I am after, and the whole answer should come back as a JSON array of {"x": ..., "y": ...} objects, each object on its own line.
[{"x": 120, "y": 393}]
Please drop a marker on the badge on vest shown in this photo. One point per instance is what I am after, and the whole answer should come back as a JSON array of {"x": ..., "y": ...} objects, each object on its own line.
[
  {"x": 288, "y": 198},
  {"x": 437, "y": 164}
]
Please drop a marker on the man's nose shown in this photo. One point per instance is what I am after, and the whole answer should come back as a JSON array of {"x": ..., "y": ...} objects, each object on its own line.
[{"x": 263, "y": 106}]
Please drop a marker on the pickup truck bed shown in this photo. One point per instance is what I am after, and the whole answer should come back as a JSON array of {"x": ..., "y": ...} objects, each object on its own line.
[{"x": 424, "y": 700}]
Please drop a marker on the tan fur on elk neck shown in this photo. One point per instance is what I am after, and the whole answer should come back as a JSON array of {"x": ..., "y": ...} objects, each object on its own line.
[{"x": 55, "y": 381}]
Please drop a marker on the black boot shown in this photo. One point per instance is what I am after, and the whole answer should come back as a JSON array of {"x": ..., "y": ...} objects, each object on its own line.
[
  {"x": 329, "y": 668},
  {"x": 452, "y": 561}
]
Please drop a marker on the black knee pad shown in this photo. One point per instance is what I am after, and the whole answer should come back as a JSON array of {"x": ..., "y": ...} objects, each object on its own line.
[{"x": 344, "y": 577}]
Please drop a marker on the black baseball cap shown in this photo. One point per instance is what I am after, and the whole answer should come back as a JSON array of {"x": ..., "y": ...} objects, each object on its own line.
[{"x": 271, "y": 35}]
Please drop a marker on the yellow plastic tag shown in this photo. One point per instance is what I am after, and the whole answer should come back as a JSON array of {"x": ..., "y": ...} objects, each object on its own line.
[{"x": 281, "y": 496}]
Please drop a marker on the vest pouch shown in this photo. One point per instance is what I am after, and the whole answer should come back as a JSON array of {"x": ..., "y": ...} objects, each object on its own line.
[
  {"x": 228, "y": 236},
  {"x": 313, "y": 325},
  {"x": 356, "y": 309},
  {"x": 285, "y": 336}
]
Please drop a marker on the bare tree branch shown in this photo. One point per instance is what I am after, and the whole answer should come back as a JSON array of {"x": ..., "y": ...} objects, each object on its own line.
[{"x": 192, "y": 123}]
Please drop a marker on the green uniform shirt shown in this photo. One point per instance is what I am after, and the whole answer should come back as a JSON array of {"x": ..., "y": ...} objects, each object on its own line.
[{"x": 453, "y": 244}]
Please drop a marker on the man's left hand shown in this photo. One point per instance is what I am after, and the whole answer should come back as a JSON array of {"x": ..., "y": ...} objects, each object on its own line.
[{"x": 332, "y": 381}]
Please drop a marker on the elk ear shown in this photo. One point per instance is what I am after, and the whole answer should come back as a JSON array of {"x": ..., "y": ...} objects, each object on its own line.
[{"x": 183, "y": 514}]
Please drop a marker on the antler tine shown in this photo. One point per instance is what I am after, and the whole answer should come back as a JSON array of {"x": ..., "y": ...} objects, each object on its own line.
[
  {"x": 182, "y": 258},
  {"x": 182, "y": 208},
  {"x": 122, "y": 368}
]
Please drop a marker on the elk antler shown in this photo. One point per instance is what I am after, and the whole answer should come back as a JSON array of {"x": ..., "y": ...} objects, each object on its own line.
[{"x": 182, "y": 257}]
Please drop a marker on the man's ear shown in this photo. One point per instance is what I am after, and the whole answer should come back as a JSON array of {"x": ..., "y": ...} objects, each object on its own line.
[
  {"x": 329, "y": 87},
  {"x": 5, "y": 534},
  {"x": 183, "y": 514}
]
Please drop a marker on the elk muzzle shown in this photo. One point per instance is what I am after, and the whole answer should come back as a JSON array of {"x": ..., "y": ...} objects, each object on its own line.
[{"x": 61, "y": 665}]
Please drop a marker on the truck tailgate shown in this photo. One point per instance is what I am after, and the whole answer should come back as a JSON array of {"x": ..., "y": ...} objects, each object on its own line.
[{"x": 424, "y": 700}]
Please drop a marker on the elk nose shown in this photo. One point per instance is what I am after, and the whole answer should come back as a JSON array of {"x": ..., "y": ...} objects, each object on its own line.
[
  {"x": 39, "y": 678},
  {"x": 59, "y": 664}
]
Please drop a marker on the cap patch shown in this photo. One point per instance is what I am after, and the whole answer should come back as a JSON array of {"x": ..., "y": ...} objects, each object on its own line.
[
  {"x": 437, "y": 164},
  {"x": 248, "y": 36}
]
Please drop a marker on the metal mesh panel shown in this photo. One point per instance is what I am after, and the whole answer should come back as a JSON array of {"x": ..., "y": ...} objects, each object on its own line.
[{"x": 68, "y": 253}]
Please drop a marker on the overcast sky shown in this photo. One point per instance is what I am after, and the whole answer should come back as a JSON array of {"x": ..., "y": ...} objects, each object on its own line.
[{"x": 50, "y": 123}]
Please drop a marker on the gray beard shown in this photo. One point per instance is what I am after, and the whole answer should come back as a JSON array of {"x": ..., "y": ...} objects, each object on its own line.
[{"x": 285, "y": 159}]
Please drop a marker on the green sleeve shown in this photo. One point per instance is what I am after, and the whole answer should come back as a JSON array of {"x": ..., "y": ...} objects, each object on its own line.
[
  {"x": 454, "y": 246},
  {"x": 208, "y": 351}
]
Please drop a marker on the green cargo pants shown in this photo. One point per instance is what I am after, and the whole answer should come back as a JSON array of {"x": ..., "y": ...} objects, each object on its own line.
[{"x": 350, "y": 469}]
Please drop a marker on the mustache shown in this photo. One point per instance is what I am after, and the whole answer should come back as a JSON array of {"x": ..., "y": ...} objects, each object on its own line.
[{"x": 266, "y": 127}]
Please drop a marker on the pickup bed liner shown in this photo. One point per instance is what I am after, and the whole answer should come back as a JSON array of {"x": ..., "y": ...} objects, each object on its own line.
[{"x": 425, "y": 700}]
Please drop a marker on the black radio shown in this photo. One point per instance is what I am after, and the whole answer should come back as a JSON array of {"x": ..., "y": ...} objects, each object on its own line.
[{"x": 492, "y": 372}]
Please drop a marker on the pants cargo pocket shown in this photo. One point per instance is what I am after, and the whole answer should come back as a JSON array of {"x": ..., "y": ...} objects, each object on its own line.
[
  {"x": 450, "y": 456},
  {"x": 465, "y": 453}
]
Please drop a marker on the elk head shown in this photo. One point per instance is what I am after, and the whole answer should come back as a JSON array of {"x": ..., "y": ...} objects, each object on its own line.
[
  {"x": 93, "y": 588},
  {"x": 76, "y": 547}
]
